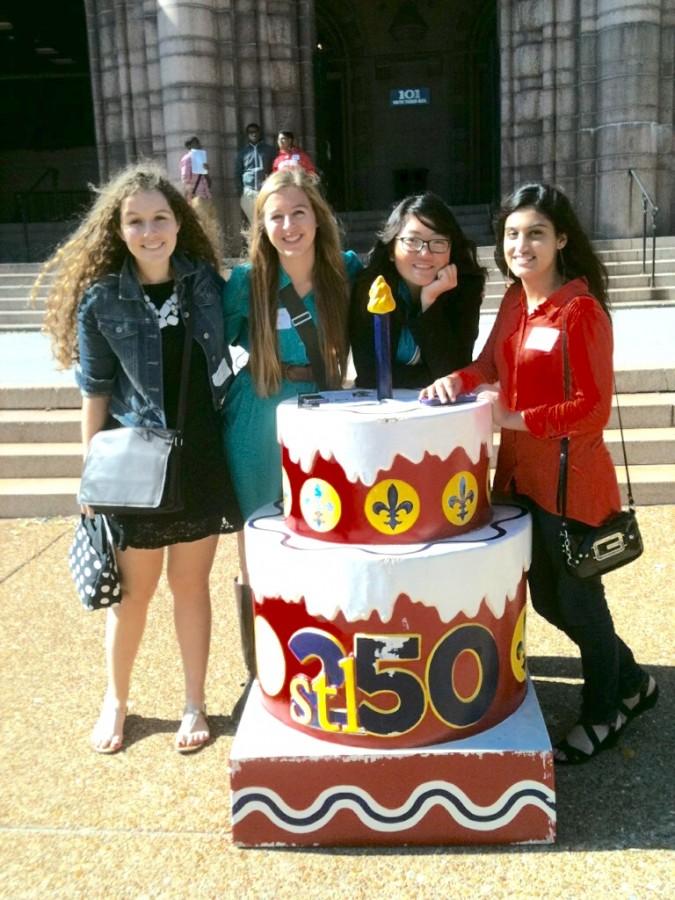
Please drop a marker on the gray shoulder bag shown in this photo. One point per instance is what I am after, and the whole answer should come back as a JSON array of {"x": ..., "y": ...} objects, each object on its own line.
[{"x": 136, "y": 470}]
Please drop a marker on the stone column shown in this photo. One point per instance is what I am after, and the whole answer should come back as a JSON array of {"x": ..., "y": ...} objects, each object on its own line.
[
  {"x": 163, "y": 70},
  {"x": 586, "y": 95},
  {"x": 633, "y": 126}
]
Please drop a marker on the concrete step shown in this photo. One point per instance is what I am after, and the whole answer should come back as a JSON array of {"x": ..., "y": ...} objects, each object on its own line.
[
  {"x": 649, "y": 410},
  {"x": 20, "y": 303},
  {"x": 20, "y": 327},
  {"x": 11, "y": 288},
  {"x": 39, "y": 426},
  {"x": 652, "y": 485},
  {"x": 40, "y": 460},
  {"x": 38, "y": 497},
  {"x": 25, "y": 279},
  {"x": 21, "y": 317},
  {"x": 644, "y": 446},
  {"x": 44, "y": 398}
]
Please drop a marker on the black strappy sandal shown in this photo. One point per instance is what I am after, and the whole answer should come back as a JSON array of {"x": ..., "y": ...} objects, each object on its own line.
[
  {"x": 568, "y": 754},
  {"x": 647, "y": 697}
]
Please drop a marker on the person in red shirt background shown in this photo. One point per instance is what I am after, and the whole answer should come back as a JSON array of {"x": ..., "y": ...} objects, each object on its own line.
[
  {"x": 290, "y": 155},
  {"x": 558, "y": 284}
]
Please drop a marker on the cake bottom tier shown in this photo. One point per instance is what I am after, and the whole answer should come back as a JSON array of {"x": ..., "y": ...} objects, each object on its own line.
[
  {"x": 289, "y": 789},
  {"x": 381, "y": 646}
]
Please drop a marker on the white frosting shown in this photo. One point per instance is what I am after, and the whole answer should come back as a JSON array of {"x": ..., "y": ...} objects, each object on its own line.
[
  {"x": 364, "y": 436},
  {"x": 454, "y": 575}
]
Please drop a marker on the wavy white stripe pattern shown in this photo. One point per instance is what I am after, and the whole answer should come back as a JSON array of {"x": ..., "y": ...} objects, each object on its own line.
[{"x": 381, "y": 818}]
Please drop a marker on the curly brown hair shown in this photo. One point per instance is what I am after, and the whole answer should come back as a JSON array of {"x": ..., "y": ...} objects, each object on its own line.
[
  {"x": 96, "y": 249},
  {"x": 329, "y": 282}
]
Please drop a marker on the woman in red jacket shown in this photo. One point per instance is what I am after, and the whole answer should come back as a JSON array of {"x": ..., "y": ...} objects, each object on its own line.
[{"x": 558, "y": 297}]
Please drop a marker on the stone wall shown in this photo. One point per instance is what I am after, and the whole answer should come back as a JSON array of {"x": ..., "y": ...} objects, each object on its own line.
[
  {"x": 161, "y": 73},
  {"x": 587, "y": 93}
]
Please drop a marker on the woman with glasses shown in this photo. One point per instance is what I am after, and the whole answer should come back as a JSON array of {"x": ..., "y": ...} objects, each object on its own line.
[{"x": 435, "y": 278}]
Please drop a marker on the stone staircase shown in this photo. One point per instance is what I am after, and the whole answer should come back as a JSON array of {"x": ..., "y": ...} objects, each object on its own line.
[
  {"x": 629, "y": 286},
  {"x": 40, "y": 454}
]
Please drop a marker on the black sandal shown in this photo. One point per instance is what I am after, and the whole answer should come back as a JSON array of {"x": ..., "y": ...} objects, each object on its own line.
[
  {"x": 568, "y": 754},
  {"x": 646, "y": 700}
]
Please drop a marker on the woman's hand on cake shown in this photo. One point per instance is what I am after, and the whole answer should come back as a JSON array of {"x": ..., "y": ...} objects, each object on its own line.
[
  {"x": 446, "y": 389},
  {"x": 445, "y": 280}
]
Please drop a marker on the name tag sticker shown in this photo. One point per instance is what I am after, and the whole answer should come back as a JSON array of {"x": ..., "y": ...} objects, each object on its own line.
[
  {"x": 221, "y": 374},
  {"x": 541, "y": 338},
  {"x": 283, "y": 318}
]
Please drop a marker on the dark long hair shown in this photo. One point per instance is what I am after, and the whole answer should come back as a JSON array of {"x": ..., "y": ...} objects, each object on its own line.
[
  {"x": 577, "y": 258},
  {"x": 435, "y": 214}
]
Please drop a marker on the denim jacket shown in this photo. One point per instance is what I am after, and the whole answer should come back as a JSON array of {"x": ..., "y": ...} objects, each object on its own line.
[{"x": 120, "y": 345}]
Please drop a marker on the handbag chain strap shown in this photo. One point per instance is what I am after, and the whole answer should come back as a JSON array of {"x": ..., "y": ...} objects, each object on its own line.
[
  {"x": 304, "y": 325},
  {"x": 564, "y": 449}
]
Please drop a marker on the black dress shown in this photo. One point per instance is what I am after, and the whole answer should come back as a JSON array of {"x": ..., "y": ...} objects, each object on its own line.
[{"x": 210, "y": 505}]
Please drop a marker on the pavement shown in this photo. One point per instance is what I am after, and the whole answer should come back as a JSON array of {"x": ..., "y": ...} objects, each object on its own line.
[
  {"x": 643, "y": 339},
  {"x": 149, "y": 823}
]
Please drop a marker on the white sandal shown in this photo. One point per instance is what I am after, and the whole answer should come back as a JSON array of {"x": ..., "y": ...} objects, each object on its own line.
[
  {"x": 104, "y": 730},
  {"x": 187, "y": 729}
]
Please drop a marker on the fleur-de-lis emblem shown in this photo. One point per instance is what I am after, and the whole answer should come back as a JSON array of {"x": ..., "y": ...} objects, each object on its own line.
[
  {"x": 320, "y": 504},
  {"x": 392, "y": 507},
  {"x": 462, "y": 500}
]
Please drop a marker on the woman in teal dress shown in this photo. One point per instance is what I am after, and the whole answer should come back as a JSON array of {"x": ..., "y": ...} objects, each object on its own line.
[{"x": 294, "y": 240}]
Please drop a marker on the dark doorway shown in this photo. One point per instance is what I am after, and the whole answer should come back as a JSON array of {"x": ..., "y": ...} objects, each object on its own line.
[
  {"x": 407, "y": 98},
  {"x": 47, "y": 134},
  {"x": 331, "y": 84}
]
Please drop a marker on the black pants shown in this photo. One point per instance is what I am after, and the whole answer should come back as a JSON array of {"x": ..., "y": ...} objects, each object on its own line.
[{"x": 580, "y": 610}]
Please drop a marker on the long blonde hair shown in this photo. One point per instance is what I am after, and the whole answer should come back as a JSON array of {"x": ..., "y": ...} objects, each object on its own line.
[
  {"x": 329, "y": 282},
  {"x": 96, "y": 249}
]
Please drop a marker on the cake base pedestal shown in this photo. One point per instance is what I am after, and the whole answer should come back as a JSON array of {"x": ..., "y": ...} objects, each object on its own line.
[{"x": 290, "y": 789}]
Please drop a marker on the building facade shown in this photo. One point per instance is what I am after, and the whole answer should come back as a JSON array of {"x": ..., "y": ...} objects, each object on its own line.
[{"x": 391, "y": 96}]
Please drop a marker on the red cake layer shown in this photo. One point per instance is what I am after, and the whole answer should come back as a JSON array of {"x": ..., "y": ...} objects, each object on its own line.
[
  {"x": 411, "y": 502},
  {"x": 411, "y": 681}
]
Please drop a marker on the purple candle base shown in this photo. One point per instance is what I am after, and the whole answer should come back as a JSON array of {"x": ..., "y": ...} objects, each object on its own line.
[{"x": 383, "y": 357}]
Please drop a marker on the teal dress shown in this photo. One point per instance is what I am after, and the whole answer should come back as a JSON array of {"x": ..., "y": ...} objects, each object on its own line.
[{"x": 250, "y": 423}]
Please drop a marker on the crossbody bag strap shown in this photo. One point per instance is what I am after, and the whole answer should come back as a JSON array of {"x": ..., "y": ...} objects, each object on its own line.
[
  {"x": 304, "y": 325},
  {"x": 185, "y": 364},
  {"x": 629, "y": 489},
  {"x": 564, "y": 443}
]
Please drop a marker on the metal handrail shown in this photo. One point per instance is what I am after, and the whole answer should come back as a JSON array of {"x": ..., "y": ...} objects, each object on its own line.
[{"x": 647, "y": 202}]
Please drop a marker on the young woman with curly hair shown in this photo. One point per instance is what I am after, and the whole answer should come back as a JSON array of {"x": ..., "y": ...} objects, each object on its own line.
[{"x": 122, "y": 286}]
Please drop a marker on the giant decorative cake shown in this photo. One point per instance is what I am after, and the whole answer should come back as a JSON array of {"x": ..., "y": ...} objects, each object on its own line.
[{"x": 389, "y": 595}]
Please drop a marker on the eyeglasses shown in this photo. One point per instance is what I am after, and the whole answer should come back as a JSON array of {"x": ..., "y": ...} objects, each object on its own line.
[{"x": 415, "y": 245}]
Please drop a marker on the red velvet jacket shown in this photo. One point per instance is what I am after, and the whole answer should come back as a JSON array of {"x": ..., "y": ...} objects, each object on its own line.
[{"x": 524, "y": 353}]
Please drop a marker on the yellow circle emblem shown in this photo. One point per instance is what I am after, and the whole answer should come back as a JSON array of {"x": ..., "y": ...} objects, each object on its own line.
[
  {"x": 286, "y": 493},
  {"x": 518, "y": 658},
  {"x": 460, "y": 498},
  {"x": 392, "y": 506},
  {"x": 320, "y": 504}
]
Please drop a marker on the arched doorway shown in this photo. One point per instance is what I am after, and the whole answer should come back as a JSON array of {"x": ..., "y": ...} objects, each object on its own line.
[{"x": 407, "y": 99}]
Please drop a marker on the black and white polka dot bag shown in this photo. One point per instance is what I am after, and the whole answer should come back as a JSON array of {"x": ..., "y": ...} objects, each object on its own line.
[{"x": 93, "y": 565}]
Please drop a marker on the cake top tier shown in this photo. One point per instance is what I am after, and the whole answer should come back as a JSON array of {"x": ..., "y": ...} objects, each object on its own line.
[{"x": 364, "y": 434}]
